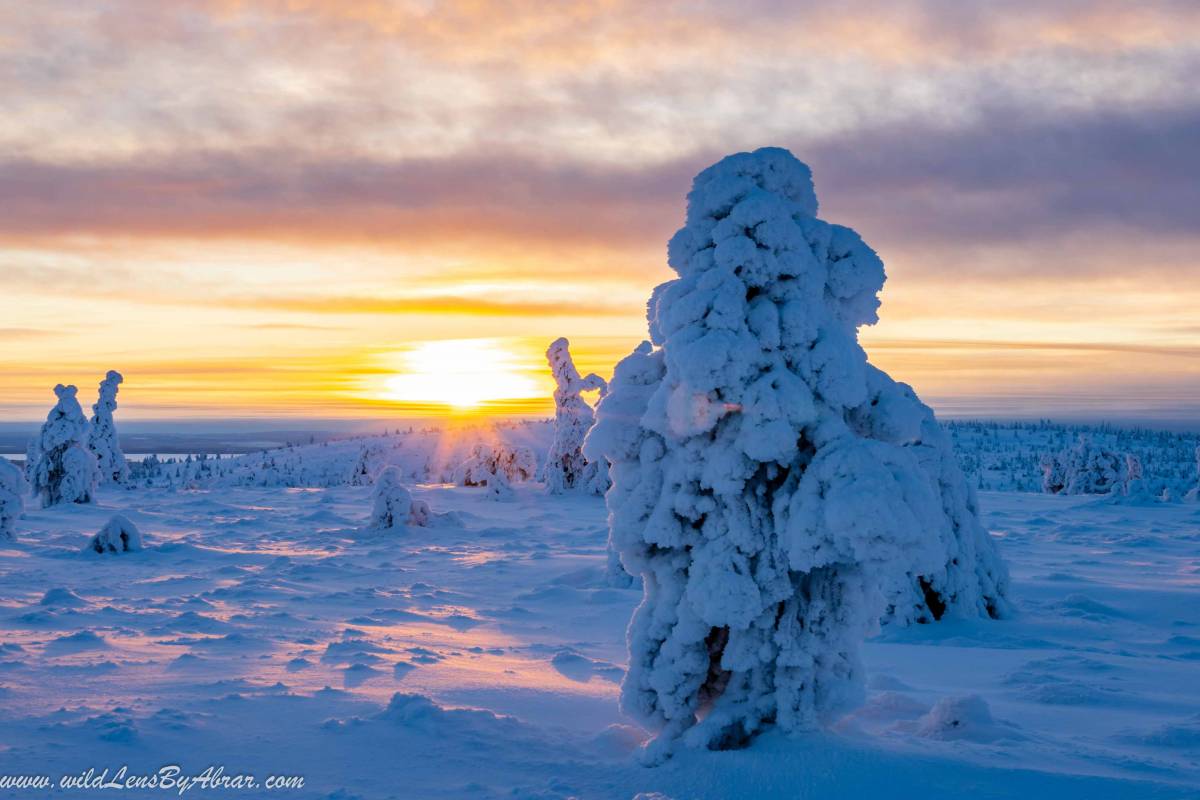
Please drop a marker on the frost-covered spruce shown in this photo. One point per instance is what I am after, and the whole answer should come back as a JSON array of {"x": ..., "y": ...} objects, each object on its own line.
[
  {"x": 1087, "y": 468},
  {"x": 118, "y": 535},
  {"x": 12, "y": 486},
  {"x": 65, "y": 471},
  {"x": 498, "y": 486},
  {"x": 102, "y": 437},
  {"x": 778, "y": 494},
  {"x": 566, "y": 467},
  {"x": 1194, "y": 494},
  {"x": 487, "y": 460},
  {"x": 393, "y": 505}
]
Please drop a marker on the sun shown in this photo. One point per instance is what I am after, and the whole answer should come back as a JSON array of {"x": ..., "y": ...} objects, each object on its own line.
[{"x": 460, "y": 373}]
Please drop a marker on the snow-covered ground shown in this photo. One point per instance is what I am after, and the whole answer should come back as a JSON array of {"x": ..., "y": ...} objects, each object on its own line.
[{"x": 264, "y": 629}]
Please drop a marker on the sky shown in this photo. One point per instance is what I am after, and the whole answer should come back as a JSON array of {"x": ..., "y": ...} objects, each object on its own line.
[{"x": 284, "y": 207}]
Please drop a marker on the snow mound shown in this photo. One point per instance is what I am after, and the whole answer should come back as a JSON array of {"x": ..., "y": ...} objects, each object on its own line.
[
  {"x": 62, "y": 597},
  {"x": 777, "y": 493},
  {"x": 966, "y": 718},
  {"x": 118, "y": 535}
]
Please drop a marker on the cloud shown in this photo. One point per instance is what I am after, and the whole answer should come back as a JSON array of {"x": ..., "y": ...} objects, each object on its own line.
[
  {"x": 1008, "y": 181},
  {"x": 338, "y": 304},
  {"x": 1013, "y": 175},
  {"x": 280, "y": 195},
  {"x": 26, "y": 333},
  {"x": 975, "y": 346}
]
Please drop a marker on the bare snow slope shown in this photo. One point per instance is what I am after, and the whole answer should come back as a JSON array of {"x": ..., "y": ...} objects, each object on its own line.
[{"x": 263, "y": 630}]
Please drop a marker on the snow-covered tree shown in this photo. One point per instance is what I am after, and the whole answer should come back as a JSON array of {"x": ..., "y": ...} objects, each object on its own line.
[
  {"x": 566, "y": 467},
  {"x": 488, "y": 460},
  {"x": 393, "y": 505},
  {"x": 1193, "y": 495},
  {"x": 498, "y": 486},
  {"x": 102, "y": 437},
  {"x": 118, "y": 535},
  {"x": 1088, "y": 468},
  {"x": 360, "y": 474},
  {"x": 12, "y": 486},
  {"x": 65, "y": 470},
  {"x": 778, "y": 494}
]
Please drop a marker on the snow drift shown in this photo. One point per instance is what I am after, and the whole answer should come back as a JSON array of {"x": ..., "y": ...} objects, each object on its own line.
[{"x": 778, "y": 494}]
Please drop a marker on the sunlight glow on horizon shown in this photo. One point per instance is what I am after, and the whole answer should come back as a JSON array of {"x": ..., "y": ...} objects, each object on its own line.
[{"x": 461, "y": 374}]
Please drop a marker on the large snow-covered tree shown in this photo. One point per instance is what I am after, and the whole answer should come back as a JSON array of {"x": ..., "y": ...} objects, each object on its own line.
[
  {"x": 65, "y": 470},
  {"x": 12, "y": 486},
  {"x": 778, "y": 494},
  {"x": 566, "y": 467},
  {"x": 102, "y": 437}
]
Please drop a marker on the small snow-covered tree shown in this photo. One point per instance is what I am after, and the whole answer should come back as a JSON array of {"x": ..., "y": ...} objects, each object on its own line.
[
  {"x": 393, "y": 505},
  {"x": 488, "y": 460},
  {"x": 102, "y": 437},
  {"x": 498, "y": 486},
  {"x": 32, "y": 458},
  {"x": 360, "y": 473},
  {"x": 1088, "y": 468},
  {"x": 1193, "y": 495},
  {"x": 12, "y": 486},
  {"x": 778, "y": 494},
  {"x": 566, "y": 467},
  {"x": 118, "y": 535},
  {"x": 65, "y": 471}
]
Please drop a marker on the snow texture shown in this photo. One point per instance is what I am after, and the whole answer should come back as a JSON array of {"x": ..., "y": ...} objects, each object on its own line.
[
  {"x": 102, "y": 437},
  {"x": 777, "y": 494},
  {"x": 566, "y": 467},
  {"x": 270, "y": 636},
  {"x": 118, "y": 535},
  {"x": 393, "y": 505},
  {"x": 64, "y": 470},
  {"x": 12, "y": 486},
  {"x": 1088, "y": 468}
]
